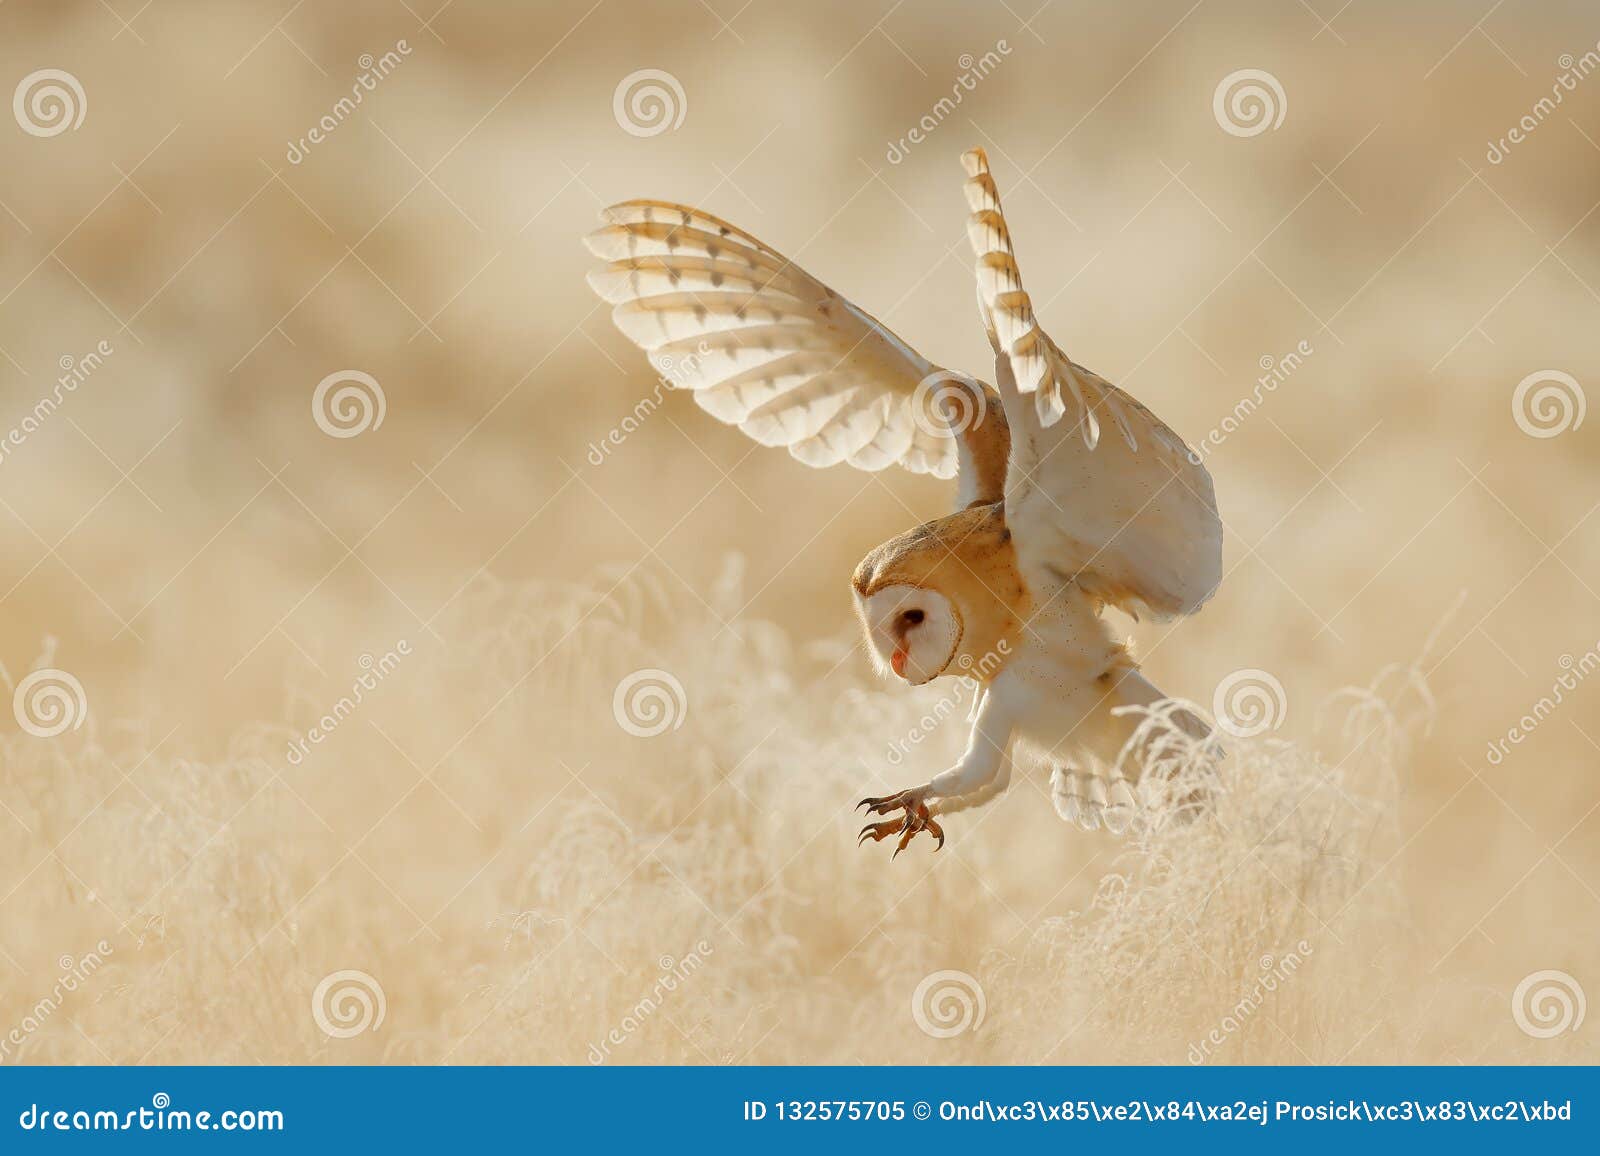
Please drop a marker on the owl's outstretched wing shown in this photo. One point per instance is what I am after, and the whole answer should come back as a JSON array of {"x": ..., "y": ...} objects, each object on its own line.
[
  {"x": 1099, "y": 489},
  {"x": 769, "y": 348}
]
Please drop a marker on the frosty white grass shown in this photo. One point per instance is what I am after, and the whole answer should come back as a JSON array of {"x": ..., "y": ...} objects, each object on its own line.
[{"x": 512, "y": 868}]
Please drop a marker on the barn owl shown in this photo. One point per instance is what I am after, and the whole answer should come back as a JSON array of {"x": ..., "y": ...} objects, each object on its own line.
[{"x": 1071, "y": 496}]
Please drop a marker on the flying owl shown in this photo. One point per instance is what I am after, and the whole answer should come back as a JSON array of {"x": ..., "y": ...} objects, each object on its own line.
[{"x": 1071, "y": 496}]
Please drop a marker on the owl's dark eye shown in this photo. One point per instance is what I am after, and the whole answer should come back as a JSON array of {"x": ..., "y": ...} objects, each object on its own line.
[{"x": 912, "y": 617}]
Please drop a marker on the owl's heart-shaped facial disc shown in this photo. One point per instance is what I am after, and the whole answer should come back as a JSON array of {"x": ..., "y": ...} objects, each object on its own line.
[{"x": 913, "y": 631}]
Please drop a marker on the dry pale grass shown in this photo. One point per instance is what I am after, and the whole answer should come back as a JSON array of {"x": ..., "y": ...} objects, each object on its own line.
[{"x": 699, "y": 891}]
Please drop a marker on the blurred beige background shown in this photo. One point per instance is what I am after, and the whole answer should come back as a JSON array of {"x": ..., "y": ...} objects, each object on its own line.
[{"x": 510, "y": 869}]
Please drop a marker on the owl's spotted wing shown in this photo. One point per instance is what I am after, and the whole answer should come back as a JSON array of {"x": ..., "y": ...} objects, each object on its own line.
[
  {"x": 1099, "y": 489},
  {"x": 766, "y": 346}
]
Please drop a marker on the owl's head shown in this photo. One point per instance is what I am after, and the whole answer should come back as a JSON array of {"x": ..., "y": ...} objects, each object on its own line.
[
  {"x": 913, "y": 631},
  {"x": 943, "y": 598}
]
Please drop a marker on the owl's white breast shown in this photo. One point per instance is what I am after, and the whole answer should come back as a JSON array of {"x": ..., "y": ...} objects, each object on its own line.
[{"x": 1049, "y": 685}]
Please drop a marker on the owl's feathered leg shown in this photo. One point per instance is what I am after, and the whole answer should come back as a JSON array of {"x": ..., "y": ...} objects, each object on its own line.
[
  {"x": 973, "y": 775},
  {"x": 984, "y": 795}
]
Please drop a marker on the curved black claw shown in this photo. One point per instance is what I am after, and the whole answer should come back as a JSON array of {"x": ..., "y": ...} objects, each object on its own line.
[
  {"x": 884, "y": 804},
  {"x": 917, "y": 818}
]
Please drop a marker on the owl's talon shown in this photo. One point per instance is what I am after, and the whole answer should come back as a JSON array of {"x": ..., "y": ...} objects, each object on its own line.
[
  {"x": 877, "y": 831},
  {"x": 917, "y": 818},
  {"x": 898, "y": 800}
]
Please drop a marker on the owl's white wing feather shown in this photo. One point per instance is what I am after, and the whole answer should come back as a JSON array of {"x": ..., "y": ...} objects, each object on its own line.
[
  {"x": 1099, "y": 489},
  {"x": 763, "y": 344}
]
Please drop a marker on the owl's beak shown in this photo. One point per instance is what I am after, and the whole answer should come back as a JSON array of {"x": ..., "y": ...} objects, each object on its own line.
[{"x": 898, "y": 661}]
